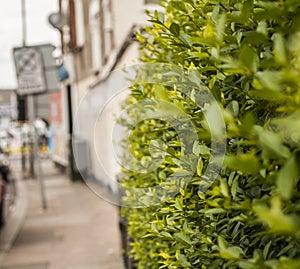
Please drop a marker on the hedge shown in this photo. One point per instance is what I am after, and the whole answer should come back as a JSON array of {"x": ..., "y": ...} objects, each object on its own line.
[{"x": 246, "y": 53}]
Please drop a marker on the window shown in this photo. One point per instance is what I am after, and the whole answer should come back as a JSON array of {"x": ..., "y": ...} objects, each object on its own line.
[
  {"x": 80, "y": 34},
  {"x": 107, "y": 27},
  {"x": 66, "y": 35},
  {"x": 94, "y": 23}
]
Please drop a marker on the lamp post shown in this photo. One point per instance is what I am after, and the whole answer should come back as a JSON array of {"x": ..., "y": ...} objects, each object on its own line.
[
  {"x": 24, "y": 26},
  {"x": 24, "y": 40},
  {"x": 34, "y": 149}
]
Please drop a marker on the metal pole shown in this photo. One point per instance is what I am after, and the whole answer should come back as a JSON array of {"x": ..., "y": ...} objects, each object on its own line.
[
  {"x": 35, "y": 150},
  {"x": 23, "y": 157},
  {"x": 31, "y": 114},
  {"x": 24, "y": 40},
  {"x": 39, "y": 170},
  {"x": 24, "y": 25}
]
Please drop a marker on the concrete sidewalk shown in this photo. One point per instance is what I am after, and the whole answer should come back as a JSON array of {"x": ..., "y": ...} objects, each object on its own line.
[{"x": 79, "y": 230}]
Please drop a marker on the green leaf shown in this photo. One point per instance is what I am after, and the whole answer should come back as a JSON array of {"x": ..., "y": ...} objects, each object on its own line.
[
  {"x": 280, "y": 52},
  {"x": 186, "y": 228},
  {"x": 179, "y": 5},
  {"x": 183, "y": 238},
  {"x": 179, "y": 203},
  {"x": 194, "y": 76},
  {"x": 224, "y": 188},
  {"x": 161, "y": 17},
  {"x": 286, "y": 263},
  {"x": 216, "y": 121},
  {"x": 222, "y": 243},
  {"x": 287, "y": 178},
  {"x": 196, "y": 148},
  {"x": 266, "y": 250},
  {"x": 199, "y": 167},
  {"x": 246, "y": 10},
  {"x": 234, "y": 253},
  {"x": 233, "y": 107},
  {"x": 175, "y": 29},
  {"x": 270, "y": 80},
  {"x": 215, "y": 211},
  {"x": 289, "y": 126},
  {"x": 154, "y": 228},
  {"x": 215, "y": 13},
  {"x": 220, "y": 27},
  {"x": 248, "y": 57},
  {"x": 272, "y": 143},
  {"x": 204, "y": 150},
  {"x": 234, "y": 187},
  {"x": 247, "y": 265},
  {"x": 160, "y": 92},
  {"x": 245, "y": 163},
  {"x": 166, "y": 234},
  {"x": 186, "y": 39},
  {"x": 183, "y": 260},
  {"x": 191, "y": 2},
  {"x": 274, "y": 217},
  {"x": 229, "y": 252},
  {"x": 262, "y": 28}
]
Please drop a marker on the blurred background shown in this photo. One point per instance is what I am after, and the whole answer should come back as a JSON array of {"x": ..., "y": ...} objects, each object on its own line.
[{"x": 56, "y": 61}]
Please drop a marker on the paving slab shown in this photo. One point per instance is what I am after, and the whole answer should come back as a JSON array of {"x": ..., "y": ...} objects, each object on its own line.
[{"x": 79, "y": 230}]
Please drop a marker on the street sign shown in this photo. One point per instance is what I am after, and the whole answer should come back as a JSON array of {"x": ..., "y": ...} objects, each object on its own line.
[{"x": 30, "y": 70}]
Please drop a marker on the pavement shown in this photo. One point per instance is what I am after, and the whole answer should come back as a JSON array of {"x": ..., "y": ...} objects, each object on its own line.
[{"x": 78, "y": 230}]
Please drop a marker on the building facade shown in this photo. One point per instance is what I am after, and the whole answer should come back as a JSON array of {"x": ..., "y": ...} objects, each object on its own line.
[{"x": 97, "y": 39}]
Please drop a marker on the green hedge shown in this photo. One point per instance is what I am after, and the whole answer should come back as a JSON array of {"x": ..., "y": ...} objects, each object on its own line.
[{"x": 247, "y": 54}]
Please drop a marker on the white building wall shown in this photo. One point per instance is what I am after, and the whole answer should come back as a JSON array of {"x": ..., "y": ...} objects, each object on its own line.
[
  {"x": 126, "y": 14},
  {"x": 97, "y": 105},
  {"x": 96, "y": 122}
]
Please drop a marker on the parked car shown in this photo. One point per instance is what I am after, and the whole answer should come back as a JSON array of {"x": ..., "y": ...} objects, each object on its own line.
[
  {"x": 2, "y": 201},
  {"x": 4, "y": 166},
  {"x": 7, "y": 188}
]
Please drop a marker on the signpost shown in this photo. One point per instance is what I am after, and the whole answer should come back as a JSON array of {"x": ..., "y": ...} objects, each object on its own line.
[
  {"x": 36, "y": 74},
  {"x": 29, "y": 68},
  {"x": 36, "y": 69}
]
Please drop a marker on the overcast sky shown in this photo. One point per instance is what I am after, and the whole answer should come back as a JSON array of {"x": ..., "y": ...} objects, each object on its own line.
[{"x": 39, "y": 31}]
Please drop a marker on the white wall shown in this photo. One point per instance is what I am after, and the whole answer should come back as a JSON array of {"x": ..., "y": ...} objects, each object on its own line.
[
  {"x": 96, "y": 122},
  {"x": 98, "y": 108},
  {"x": 126, "y": 14}
]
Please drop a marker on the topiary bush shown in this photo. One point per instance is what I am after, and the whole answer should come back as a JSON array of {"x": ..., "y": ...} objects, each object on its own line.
[{"x": 246, "y": 53}]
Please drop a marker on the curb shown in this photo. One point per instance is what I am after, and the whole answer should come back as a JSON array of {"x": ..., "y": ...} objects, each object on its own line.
[{"x": 13, "y": 225}]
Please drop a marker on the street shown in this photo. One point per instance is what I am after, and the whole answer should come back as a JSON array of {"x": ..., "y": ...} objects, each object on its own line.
[{"x": 78, "y": 230}]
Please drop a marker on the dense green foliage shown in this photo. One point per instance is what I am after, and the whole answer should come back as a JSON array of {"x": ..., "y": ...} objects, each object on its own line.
[{"x": 247, "y": 53}]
